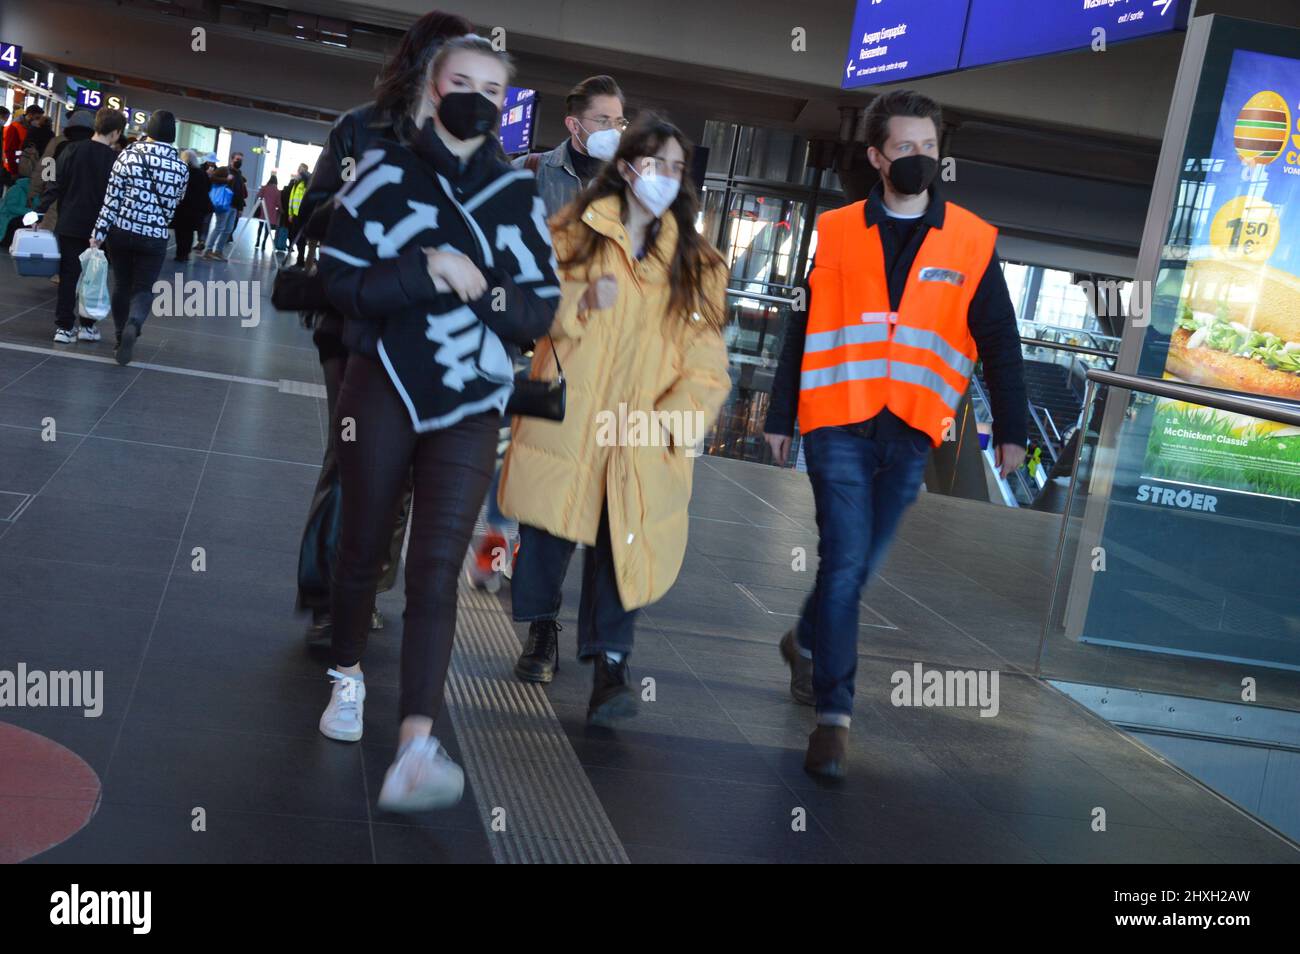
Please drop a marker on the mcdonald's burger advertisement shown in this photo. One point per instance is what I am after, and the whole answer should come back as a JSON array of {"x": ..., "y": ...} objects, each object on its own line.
[{"x": 1238, "y": 320}]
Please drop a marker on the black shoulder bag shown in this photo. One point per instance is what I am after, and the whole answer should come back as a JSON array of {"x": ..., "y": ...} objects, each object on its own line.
[{"x": 544, "y": 399}]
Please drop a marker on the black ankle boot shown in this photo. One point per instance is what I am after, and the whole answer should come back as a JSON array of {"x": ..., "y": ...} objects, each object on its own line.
[
  {"x": 613, "y": 697},
  {"x": 320, "y": 634},
  {"x": 540, "y": 660}
]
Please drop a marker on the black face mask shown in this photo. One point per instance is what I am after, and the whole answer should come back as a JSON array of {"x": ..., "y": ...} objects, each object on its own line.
[
  {"x": 466, "y": 115},
  {"x": 237, "y": 163},
  {"x": 912, "y": 175}
]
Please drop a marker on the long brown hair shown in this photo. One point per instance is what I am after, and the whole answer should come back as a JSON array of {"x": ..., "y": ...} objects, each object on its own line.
[
  {"x": 399, "y": 81},
  {"x": 693, "y": 257}
]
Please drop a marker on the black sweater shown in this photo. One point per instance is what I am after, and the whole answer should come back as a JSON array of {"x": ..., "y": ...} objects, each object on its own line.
[
  {"x": 81, "y": 175},
  {"x": 992, "y": 322},
  {"x": 447, "y": 359}
]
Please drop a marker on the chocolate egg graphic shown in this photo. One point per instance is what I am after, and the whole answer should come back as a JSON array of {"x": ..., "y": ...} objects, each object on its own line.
[{"x": 1261, "y": 128}]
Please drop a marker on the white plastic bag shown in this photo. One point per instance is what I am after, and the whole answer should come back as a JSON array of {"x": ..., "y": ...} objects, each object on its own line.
[{"x": 92, "y": 289}]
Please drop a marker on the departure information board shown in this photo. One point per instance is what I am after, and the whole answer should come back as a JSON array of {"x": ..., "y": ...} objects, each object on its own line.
[
  {"x": 1001, "y": 30},
  {"x": 517, "y": 118},
  {"x": 903, "y": 39},
  {"x": 898, "y": 39}
]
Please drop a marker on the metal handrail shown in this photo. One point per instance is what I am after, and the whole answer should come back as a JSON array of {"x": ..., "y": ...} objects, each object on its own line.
[
  {"x": 1279, "y": 411},
  {"x": 759, "y": 296},
  {"x": 1062, "y": 346},
  {"x": 1042, "y": 431},
  {"x": 1094, "y": 335},
  {"x": 1047, "y": 412}
]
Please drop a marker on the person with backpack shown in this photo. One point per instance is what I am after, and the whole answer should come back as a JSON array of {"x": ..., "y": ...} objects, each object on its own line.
[
  {"x": 224, "y": 214},
  {"x": 78, "y": 127},
  {"x": 15, "y": 139},
  {"x": 144, "y": 188},
  {"x": 239, "y": 184},
  {"x": 39, "y": 135}
]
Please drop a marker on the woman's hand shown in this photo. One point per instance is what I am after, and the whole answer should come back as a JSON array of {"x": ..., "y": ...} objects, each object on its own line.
[
  {"x": 457, "y": 273},
  {"x": 601, "y": 294}
]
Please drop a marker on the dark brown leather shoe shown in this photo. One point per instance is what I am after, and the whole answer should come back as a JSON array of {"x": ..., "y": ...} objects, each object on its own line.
[
  {"x": 828, "y": 752},
  {"x": 801, "y": 670}
]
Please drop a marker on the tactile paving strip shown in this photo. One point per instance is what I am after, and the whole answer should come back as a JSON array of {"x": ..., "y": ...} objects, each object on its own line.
[{"x": 535, "y": 800}]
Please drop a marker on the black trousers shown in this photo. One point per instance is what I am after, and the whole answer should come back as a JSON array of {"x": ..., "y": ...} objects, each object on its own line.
[
  {"x": 451, "y": 469},
  {"x": 65, "y": 309},
  {"x": 333, "y": 362},
  {"x": 135, "y": 262},
  {"x": 184, "y": 241}
]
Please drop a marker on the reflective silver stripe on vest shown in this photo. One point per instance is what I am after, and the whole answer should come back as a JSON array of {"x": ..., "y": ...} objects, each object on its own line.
[
  {"x": 845, "y": 371},
  {"x": 924, "y": 377},
  {"x": 930, "y": 341},
  {"x": 849, "y": 335}
]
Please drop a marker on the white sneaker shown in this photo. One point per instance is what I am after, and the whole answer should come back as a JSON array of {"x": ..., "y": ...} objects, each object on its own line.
[
  {"x": 85, "y": 333},
  {"x": 64, "y": 336},
  {"x": 342, "y": 717},
  {"x": 422, "y": 778}
]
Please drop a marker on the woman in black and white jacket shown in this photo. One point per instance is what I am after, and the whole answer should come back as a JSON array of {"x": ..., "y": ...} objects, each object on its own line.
[
  {"x": 439, "y": 257},
  {"x": 146, "y": 184}
]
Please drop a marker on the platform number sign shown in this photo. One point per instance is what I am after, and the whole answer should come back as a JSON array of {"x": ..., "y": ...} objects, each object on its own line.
[
  {"x": 90, "y": 98},
  {"x": 11, "y": 57}
]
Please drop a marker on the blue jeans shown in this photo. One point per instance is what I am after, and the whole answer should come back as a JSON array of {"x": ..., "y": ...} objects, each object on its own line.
[
  {"x": 861, "y": 486},
  {"x": 535, "y": 589},
  {"x": 223, "y": 223}
]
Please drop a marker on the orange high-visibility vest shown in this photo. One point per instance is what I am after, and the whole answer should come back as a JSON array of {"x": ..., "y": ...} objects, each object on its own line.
[{"x": 860, "y": 356}]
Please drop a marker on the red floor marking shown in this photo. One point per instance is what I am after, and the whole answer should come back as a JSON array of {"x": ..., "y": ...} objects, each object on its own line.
[{"x": 47, "y": 793}]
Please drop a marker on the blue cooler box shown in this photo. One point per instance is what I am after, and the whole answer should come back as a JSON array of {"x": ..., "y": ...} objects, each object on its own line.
[{"x": 36, "y": 253}]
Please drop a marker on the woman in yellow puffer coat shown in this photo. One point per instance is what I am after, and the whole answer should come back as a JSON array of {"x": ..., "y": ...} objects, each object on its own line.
[{"x": 638, "y": 335}]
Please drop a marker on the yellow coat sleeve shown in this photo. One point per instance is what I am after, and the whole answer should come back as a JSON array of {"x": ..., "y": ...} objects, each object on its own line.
[
  {"x": 702, "y": 383},
  {"x": 568, "y": 323}
]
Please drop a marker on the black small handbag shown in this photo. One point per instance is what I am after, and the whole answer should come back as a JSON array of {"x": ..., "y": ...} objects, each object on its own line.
[
  {"x": 544, "y": 399},
  {"x": 298, "y": 289}
]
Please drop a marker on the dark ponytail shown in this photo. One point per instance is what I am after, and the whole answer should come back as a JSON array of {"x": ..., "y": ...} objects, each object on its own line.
[{"x": 399, "y": 81}]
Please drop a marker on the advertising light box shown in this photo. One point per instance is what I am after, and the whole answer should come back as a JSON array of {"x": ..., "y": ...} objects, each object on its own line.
[
  {"x": 898, "y": 39},
  {"x": 1237, "y": 325}
]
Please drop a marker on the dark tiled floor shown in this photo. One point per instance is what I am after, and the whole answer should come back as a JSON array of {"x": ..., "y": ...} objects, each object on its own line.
[{"x": 211, "y": 703}]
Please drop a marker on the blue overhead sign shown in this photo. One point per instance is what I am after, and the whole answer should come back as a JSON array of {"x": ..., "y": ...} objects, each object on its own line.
[
  {"x": 1000, "y": 30},
  {"x": 903, "y": 39},
  {"x": 898, "y": 39},
  {"x": 517, "y": 118},
  {"x": 11, "y": 58}
]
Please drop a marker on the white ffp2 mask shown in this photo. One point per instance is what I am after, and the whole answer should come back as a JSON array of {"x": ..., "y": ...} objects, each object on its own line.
[
  {"x": 603, "y": 143},
  {"x": 656, "y": 193}
]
